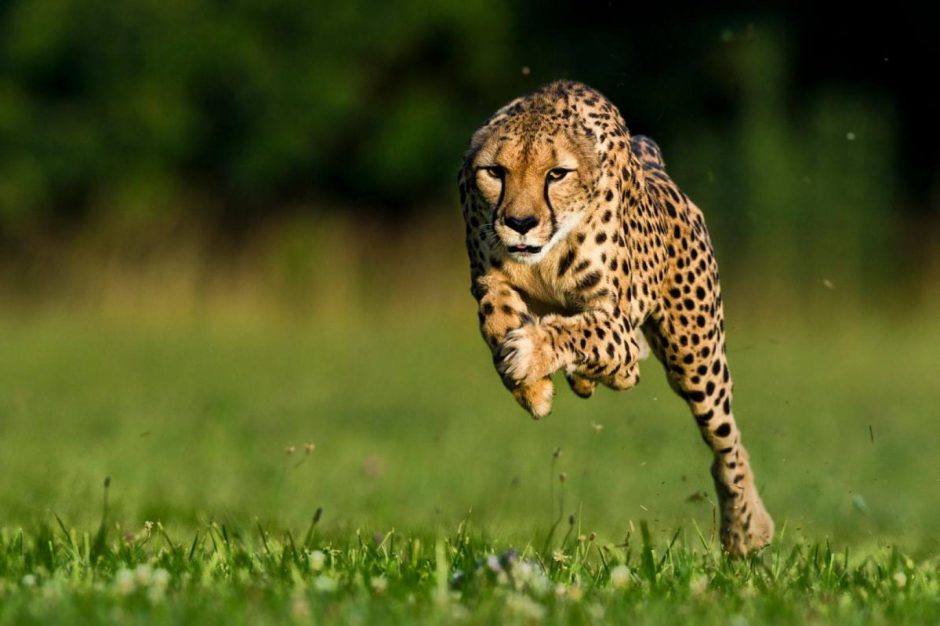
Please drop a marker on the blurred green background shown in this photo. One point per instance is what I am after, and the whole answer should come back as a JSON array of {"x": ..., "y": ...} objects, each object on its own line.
[{"x": 231, "y": 228}]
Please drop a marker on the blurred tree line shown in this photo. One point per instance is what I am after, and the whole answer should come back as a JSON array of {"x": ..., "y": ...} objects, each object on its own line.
[
  {"x": 253, "y": 102},
  {"x": 809, "y": 138}
]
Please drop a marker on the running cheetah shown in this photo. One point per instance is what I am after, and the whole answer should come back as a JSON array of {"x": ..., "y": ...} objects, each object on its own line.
[{"x": 584, "y": 257}]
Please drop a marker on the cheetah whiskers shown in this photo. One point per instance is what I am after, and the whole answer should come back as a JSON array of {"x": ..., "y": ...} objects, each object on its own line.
[{"x": 490, "y": 237}]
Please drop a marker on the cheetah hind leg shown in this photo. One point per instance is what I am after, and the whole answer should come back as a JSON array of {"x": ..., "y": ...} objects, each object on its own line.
[
  {"x": 745, "y": 524},
  {"x": 583, "y": 387}
]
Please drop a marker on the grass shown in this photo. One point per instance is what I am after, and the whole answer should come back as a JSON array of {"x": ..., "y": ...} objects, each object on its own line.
[
  {"x": 440, "y": 502},
  {"x": 225, "y": 576}
]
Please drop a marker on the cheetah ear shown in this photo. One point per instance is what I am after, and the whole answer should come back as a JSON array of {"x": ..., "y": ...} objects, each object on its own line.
[
  {"x": 489, "y": 127},
  {"x": 476, "y": 142}
]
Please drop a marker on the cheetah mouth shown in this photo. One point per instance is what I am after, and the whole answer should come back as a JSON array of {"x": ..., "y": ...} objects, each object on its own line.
[{"x": 523, "y": 249}]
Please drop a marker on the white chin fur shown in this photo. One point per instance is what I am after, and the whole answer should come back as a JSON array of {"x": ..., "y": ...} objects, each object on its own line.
[{"x": 532, "y": 258}]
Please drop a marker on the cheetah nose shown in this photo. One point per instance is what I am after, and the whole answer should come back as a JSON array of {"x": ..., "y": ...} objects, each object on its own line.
[{"x": 521, "y": 225}]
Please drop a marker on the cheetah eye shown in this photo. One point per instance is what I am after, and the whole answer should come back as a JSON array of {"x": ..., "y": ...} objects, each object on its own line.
[
  {"x": 557, "y": 173},
  {"x": 495, "y": 171}
]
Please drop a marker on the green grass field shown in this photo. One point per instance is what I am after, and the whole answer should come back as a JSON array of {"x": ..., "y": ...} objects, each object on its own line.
[{"x": 442, "y": 502}]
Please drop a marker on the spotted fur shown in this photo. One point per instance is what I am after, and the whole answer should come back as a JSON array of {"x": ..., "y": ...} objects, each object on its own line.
[{"x": 584, "y": 256}]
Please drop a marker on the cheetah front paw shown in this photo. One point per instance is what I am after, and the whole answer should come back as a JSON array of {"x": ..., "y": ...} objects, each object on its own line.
[
  {"x": 526, "y": 355},
  {"x": 536, "y": 398}
]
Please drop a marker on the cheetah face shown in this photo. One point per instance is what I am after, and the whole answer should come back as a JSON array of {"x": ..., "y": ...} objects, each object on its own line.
[{"x": 537, "y": 188}]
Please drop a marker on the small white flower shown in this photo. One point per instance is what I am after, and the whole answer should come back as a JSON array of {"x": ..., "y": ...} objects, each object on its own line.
[
  {"x": 143, "y": 574},
  {"x": 124, "y": 581},
  {"x": 161, "y": 578},
  {"x": 492, "y": 562},
  {"x": 560, "y": 590},
  {"x": 620, "y": 576},
  {"x": 379, "y": 584},
  {"x": 900, "y": 579},
  {"x": 539, "y": 583},
  {"x": 325, "y": 584},
  {"x": 29, "y": 580},
  {"x": 317, "y": 560},
  {"x": 159, "y": 581},
  {"x": 526, "y": 607},
  {"x": 596, "y": 611}
]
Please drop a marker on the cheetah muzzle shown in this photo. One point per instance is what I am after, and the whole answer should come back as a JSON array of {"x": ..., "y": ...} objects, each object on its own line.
[{"x": 584, "y": 257}]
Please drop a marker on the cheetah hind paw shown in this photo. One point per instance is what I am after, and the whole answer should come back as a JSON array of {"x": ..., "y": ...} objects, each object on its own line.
[
  {"x": 581, "y": 386},
  {"x": 742, "y": 534}
]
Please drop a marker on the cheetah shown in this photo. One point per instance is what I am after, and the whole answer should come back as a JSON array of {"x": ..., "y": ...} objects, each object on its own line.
[{"x": 584, "y": 257}]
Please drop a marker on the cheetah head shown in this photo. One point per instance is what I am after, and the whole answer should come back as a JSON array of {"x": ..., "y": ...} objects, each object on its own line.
[{"x": 535, "y": 175}]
